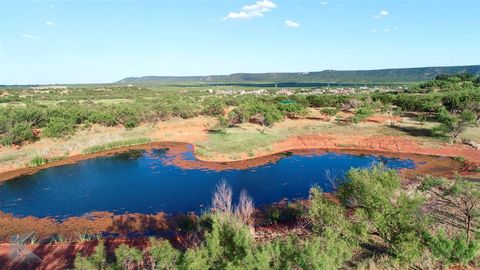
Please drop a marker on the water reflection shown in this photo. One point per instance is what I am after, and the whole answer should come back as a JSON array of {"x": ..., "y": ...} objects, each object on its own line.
[{"x": 141, "y": 181}]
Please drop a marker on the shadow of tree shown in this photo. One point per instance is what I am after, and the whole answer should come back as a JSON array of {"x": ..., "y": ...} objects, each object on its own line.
[{"x": 414, "y": 131}]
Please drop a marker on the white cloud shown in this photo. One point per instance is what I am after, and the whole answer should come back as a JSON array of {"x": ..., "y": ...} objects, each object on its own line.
[
  {"x": 49, "y": 23},
  {"x": 373, "y": 30},
  {"x": 289, "y": 23},
  {"x": 323, "y": 3},
  {"x": 28, "y": 36},
  {"x": 252, "y": 11},
  {"x": 386, "y": 30},
  {"x": 381, "y": 14}
]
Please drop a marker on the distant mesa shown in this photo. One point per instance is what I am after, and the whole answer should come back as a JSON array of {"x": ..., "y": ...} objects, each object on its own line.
[{"x": 379, "y": 76}]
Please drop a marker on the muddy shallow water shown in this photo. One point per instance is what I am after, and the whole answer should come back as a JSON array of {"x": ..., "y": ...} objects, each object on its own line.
[{"x": 162, "y": 180}]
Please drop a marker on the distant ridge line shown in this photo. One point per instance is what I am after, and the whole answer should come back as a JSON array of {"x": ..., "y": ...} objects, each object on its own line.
[{"x": 392, "y": 75}]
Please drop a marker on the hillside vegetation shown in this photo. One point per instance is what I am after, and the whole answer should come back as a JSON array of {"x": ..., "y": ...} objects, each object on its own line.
[{"x": 384, "y": 76}]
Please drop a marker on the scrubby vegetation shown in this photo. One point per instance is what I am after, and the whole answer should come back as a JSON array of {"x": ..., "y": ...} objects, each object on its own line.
[
  {"x": 371, "y": 220},
  {"x": 116, "y": 144},
  {"x": 453, "y": 101},
  {"x": 375, "y": 217}
]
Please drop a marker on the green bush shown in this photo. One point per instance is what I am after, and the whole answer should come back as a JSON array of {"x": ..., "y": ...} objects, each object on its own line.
[
  {"x": 128, "y": 257},
  {"x": 245, "y": 111},
  {"x": 59, "y": 127},
  {"x": 162, "y": 255},
  {"x": 214, "y": 108},
  {"x": 18, "y": 134},
  {"x": 454, "y": 250},
  {"x": 284, "y": 213},
  {"x": 362, "y": 114},
  {"x": 328, "y": 251},
  {"x": 329, "y": 111},
  {"x": 38, "y": 160},
  {"x": 324, "y": 215},
  {"x": 116, "y": 144},
  {"x": 387, "y": 210},
  {"x": 98, "y": 260},
  {"x": 292, "y": 110},
  {"x": 455, "y": 124},
  {"x": 103, "y": 118},
  {"x": 221, "y": 125}
]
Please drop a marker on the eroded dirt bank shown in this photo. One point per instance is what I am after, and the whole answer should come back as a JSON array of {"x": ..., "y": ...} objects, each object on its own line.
[{"x": 429, "y": 160}]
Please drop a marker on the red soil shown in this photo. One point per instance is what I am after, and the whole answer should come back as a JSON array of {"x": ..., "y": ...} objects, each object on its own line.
[{"x": 379, "y": 143}]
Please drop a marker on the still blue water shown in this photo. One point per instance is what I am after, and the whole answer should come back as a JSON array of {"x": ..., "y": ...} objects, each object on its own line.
[{"x": 142, "y": 181}]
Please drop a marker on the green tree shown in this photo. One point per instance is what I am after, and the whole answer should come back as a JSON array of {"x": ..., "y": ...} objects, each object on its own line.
[
  {"x": 162, "y": 256},
  {"x": 452, "y": 250},
  {"x": 221, "y": 125},
  {"x": 292, "y": 109},
  {"x": 455, "y": 124},
  {"x": 18, "y": 134},
  {"x": 58, "y": 127},
  {"x": 330, "y": 112},
  {"x": 323, "y": 214},
  {"x": 388, "y": 212},
  {"x": 461, "y": 195},
  {"x": 128, "y": 258},
  {"x": 98, "y": 260},
  {"x": 362, "y": 114},
  {"x": 214, "y": 108}
]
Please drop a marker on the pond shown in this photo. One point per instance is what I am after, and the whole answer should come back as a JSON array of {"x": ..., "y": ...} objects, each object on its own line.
[{"x": 146, "y": 181}]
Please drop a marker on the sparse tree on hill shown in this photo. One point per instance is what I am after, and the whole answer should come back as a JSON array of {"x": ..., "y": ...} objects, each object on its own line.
[
  {"x": 362, "y": 114},
  {"x": 461, "y": 195},
  {"x": 455, "y": 124}
]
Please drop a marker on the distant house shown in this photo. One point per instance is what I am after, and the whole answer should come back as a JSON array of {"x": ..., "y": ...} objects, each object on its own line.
[
  {"x": 285, "y": 92},
  {"x": 46, "y": 87}
]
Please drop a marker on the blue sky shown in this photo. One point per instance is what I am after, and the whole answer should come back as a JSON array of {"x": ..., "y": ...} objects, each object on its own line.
[{"x": 105, "y": 41}]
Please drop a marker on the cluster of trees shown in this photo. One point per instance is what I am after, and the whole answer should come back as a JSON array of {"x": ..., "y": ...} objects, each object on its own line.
[
  {"x": 453, "y": 82},
  {"x": 373, "y": 211},
  {"x": 455, "y": 108}
]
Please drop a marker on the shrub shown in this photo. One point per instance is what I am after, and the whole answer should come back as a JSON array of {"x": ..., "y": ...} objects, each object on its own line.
[
  {"x": 455, "y": 124},
  {"x": 95, "y": 261},
  {"x": 128, "y": 257},
  {"x": 329, "y": 112},
  {"x": 38, "y": 160},
  {"x": 389, "y": 212},
  {"x": 328, "y": 251},
  {"x": 269, "y": 112},
  {"x": 284, "y": 213},
  {"x": 461, "y": 195},
  {"x": 59, "y": 127},
  {"x": 454, "y": 250},
  {"x": 18, "y": 134},
  {"x": 221, "y": 125},
  {"x": 292, "y": 110},
  {"x": 103, "y": 118},
  {"x": 214, "y": 108},
  {"x": 361, "y": 114},
  {"x": 116, "y": 144},
  {"x": 162, "y": 255},
  {"x": 195, "y": 259},
  {"x": 324, "y": 214}
]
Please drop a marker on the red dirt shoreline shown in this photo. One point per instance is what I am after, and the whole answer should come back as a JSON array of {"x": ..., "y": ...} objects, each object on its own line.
[
  {"x": 389, "y": 146},
  {"x": 429, "y": 160}
]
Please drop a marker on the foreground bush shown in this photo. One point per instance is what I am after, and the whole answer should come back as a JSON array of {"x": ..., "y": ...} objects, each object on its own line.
[
  {"x": 95, "y": 261},
  {"x": 387, "y": 210},
  {"x": 456, "y": 249},
  {"x": 59, "y": 127},
  {"x": 18, "y": 134}
]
